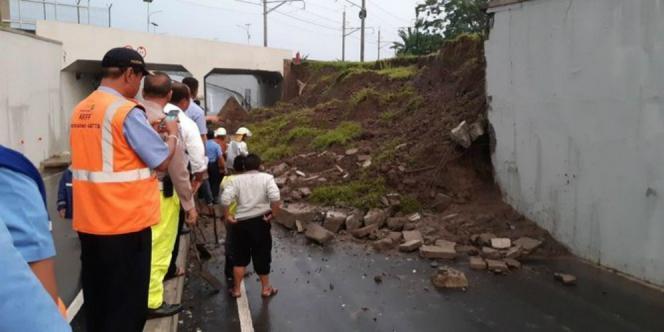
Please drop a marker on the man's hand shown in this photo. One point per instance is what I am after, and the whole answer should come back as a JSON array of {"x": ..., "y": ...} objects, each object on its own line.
[
  {"x": 171, "y": 127},
  {"x": 192, "y": 216},
  {"x": 230, "y": 219},
  {"x": 195, "y": 185},
  {"x": 61, "y": 212},
  {"x": 268, "y": 217}
]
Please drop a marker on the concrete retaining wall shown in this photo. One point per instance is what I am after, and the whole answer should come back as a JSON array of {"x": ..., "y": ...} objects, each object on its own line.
[
  {"x": 576, "y": 91},
  {"x": 31, "y": 119}
]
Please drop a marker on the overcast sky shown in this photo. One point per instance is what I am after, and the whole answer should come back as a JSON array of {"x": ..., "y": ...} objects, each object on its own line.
[{"x": 313, "y": 28}]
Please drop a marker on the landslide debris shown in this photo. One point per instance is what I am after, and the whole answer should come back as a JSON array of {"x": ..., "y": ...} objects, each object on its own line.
[{"x": 391, "y": 148}]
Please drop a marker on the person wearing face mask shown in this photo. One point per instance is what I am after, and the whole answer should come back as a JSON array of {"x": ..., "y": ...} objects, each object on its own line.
[{"x": 114, "y": 154}]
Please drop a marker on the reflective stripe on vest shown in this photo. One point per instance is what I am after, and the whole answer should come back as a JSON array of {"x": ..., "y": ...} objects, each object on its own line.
[{"x": 107, "y": 175}]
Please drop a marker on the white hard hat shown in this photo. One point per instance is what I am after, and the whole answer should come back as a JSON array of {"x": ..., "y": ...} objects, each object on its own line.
[
  {"x": 243, "y": 131},
  {"x": 220, "y": 132}
]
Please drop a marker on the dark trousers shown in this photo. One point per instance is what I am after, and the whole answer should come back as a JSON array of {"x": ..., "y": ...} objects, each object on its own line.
[
  {"x": 250, "y": 240},
  {"x": 173, "y": 268},
  {"x": 115, "y": 271},
  {"x": 215, "y": 180}
]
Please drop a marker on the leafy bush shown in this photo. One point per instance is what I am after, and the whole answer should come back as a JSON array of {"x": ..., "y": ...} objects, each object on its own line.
[
  {"x": 362, "y": 194},
  {"x": 344, "y": 133}
]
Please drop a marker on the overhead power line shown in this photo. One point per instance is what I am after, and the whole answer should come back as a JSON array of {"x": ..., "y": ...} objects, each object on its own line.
[{"x": 377, "y": 6}]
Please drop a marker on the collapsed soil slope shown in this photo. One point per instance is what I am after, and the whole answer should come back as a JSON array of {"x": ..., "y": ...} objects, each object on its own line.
[{"x": 378, "y": 135}]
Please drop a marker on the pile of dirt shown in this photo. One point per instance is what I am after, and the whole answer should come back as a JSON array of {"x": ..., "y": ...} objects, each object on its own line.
[
  {"x": 377, "y": 135},
  {"x": 232, "y": 115}
]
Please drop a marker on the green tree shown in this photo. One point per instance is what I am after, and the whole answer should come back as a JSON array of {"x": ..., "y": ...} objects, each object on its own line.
[
  {"x": 452, "y": 18},
  {"x": 415, "y": 42}
]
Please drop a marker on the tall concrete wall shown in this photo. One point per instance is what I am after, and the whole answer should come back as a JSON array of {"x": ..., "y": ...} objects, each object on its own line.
[
  {"x": 576, "y": 93},
  {"x": 31, "y": 119}
]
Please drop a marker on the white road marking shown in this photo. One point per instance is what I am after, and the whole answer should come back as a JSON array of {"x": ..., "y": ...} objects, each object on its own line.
[
  {"x": 75, "y": 306},
  {"x": 243, "y": 310}
]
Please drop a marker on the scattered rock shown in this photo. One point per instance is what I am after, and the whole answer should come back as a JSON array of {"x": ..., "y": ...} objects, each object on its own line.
[
  {"x": 300, "y": 173},
  {"x": 353, "y": 222},
  {"x": 512, "y": 263},
  {"x": 378, "y": 279},
  {"x": 299, "y": 226},
  {"x": 565, "y": 279},
  {"x": 476, "y": 130},
  {"x": 410, "y": 246},
  {"x": 375, "y": 217},
  {"x": 366, "y": 163},
  {"x": 496, "y": 266},
  {"x": 318, "y": 234},
  {"x": 280, "y": 169},
  {"x": 483, "y": 239},
  {"x": 467, "y": 250},
  {"x": 460, "y": 135},
  {"x": 296, "y": 195},
  {"x": 514, "y": 252},
  {"x": 527, "y": 243},
  {"x": 415, "y": 217},
  {"x": 397, "y": 223},
  {"x": 477, "y": 263},
  {"x": 442, "y": 252},
  {"x": 501, "y": 243},
  {"x": 409, "y": 227},
  {"x": 351, "y": 152},
  {"x": 305, "y": 191},
  {"x": 383, "y": 244},
  {"x": 441, "y": 202},
  {"x": 364, "y": 231},
  {"x": 281, "y": 181},
  {"x": 288, "y": 223},
  {"x": 395, "y": 236},
  {"x": 412, "y": 235},
  {"x": 447, "y": 277},
  {"x": 445, "y": 243},
  {"x": 334, "y": 220},
  {"x": 363, "y": 157},
  {"x": 490, "y": 253}
]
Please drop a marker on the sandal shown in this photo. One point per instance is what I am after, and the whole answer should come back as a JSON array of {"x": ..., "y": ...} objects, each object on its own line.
[{"x": 269, "y": 292}]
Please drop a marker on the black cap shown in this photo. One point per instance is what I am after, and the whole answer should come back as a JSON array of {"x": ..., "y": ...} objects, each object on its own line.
[{"x": 122, "y": 57}]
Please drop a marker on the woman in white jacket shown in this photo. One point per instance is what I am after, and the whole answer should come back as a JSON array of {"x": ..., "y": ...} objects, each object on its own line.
[{"x": 237, "y": 146}]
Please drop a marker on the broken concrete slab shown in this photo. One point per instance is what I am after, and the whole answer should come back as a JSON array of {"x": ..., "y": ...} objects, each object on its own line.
[
  {"x": 305, "y": 191},
  {"x": 396, "y": 223},
  {"x": 410, "y": 246},
  {"x": 375, "y": 217},
  {"x": 475, "y": 130},
  {"x": 501, "y": 243},
  {"x": 334, "y": 220},
  {"x": 489, "y": 252},
  {"x": 300, "y": 173},
  {"x": 441, "y": 202},
  {"x": 363, "y": 232},
  {"x": 415, "y": 217},
  {"x": 409, "y": 226},
  {"x": 565, "y": 279},
  {"x": 281, "y": 181},
  {"x": 514, "y": 252},
  {"x": 412, "y": 235},
  {"x": 288, "y": 223},
  {"x": 497, "y": 266},
  {"x": 318, "y": 234},
  {"x": 354, "y": 221},
  {"x": 527, "y": 243},
  {"x": 460, "y": 135},
  {"x": 383, "y": 244},
  {"x": 351, "y": 152},
  {"x": 467, "y": 250},
  {"x": 395, "y": 236},
  {"x": 483, "y": 239},
  {"x": 445, "y": 243},
  {"x": 477, "y": 263},
  {"x": 447, "y": 252},
  {"x": 449, "y": 278},
  {"x": 512, "y": 263}
]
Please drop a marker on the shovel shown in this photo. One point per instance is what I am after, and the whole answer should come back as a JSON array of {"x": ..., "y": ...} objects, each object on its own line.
[{"x": 200, "y": 250}]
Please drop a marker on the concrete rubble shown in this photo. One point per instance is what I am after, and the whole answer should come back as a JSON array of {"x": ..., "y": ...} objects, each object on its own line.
[
  {"x": 449, "y": 278},
  {"x": 496, "y": 266},
  {"x": 334, "y": 221},
  {"x": 565, "y": 279},
  {"x": 477, "y": 263},
  {"x": 410, "y": 246},
  {"x": 318, "y": 234},
  {"x": 375, "y": 217},
  {"x": 501, "y": 243},
  {"x": 443, "y": 251}
]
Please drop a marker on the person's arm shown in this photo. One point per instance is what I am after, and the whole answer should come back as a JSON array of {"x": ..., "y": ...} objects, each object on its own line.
[
  {"x": 274, "y": 196},
  {"x": 227, "y": 197},
  {"x": 62, "y": 195},
  {"x": 243, "y": 149},
  {"x": 147, "y": 143},
  {"x": 220, "y": 158},
  {"x": 44, "y": 270}
]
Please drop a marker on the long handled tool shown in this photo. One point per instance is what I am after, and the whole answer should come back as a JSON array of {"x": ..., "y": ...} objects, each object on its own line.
[
  {"x": 214, "y": 225},
  {"x": 200, "y": 250}
]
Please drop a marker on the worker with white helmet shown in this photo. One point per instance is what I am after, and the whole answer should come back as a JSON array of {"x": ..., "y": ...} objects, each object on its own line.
[{"x": 237, "y": 146}]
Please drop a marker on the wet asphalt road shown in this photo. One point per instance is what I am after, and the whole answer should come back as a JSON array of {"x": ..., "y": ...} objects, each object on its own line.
[{"x": 333, "y": 289}]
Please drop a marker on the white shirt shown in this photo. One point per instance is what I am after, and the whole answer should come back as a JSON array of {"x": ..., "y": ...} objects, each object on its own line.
[
  {"x": 253, "y": 191},
  {"x": 235, "y": 149},
  {"x": 192, "y": 140}
]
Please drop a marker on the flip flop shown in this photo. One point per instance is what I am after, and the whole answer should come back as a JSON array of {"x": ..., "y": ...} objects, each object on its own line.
[{"x": 270, "y": 292}]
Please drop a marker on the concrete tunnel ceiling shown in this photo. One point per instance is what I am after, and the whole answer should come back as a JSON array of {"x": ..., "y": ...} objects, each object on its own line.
[
  {"x": 94, "y": 67},
  {"x": 265, "y": 89}
]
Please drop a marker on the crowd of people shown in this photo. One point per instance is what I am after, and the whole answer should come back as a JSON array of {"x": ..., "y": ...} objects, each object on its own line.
[{"x": 138, "y": 165}]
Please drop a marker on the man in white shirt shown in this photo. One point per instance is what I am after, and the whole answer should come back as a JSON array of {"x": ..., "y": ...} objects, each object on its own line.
[{"x": 190, "y": 132}]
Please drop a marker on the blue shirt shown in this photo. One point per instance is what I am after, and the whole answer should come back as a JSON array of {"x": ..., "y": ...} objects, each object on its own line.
[
  {"x": 25, "y": 305},
  {"x": 25, "y": 216},
  {"x": 142, "y": 138},
  {"x": 197, "y": 114},
  {"x": 213, "y": 151}
]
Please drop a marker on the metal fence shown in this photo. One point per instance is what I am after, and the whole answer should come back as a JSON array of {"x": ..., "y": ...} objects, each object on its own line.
[{"x": 24, "y": 14}]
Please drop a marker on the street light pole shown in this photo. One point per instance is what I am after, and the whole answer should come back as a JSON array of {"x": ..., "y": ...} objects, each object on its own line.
[{"x": 363, "y": 15}]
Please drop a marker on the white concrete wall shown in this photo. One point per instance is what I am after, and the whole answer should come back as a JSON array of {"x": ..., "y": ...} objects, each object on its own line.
[
  {"x": 31, "y": 119},
  {"x": 576, "y": 91},
  {"x": 198, "y": 56}
]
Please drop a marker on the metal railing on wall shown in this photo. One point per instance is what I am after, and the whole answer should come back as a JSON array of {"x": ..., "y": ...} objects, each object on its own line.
[{"x": 24, "y": 14}]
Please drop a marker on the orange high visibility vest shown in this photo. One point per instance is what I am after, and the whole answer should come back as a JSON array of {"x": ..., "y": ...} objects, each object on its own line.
[{"x": 114, "y": 190}]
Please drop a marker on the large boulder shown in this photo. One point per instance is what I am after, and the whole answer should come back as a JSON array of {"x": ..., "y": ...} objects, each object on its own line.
[
  {"x": 412, "y": 235},
  {"x": 364, "y": 231},
  {"x": 396, "y": 223},
  {"x": 354, "y": 221},
  {"x": 318, "y": 234},
  {"x": 375, "y": 217},
  {"x": 334, "y": 220}
]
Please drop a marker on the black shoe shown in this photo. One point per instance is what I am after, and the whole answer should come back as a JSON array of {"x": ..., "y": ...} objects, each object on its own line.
[{"x": 164, "y": 310}]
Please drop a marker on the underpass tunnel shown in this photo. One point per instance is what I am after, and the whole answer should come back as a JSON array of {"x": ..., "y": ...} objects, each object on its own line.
[{"x": 251, "y": 88}]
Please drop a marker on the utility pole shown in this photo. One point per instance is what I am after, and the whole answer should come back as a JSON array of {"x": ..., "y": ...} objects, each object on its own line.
[
  {"x": 109, "y": 14},
  {"x": 247, "y": 29},
  {"x": 147, "y": 26},
  {"x": 378, "y": 58},
  {"x": 78, "y": 11},
  {"x": 343, "y": 37},
  {"x": 267, "y": 10},
  {"x": 363, "y": 15}
]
